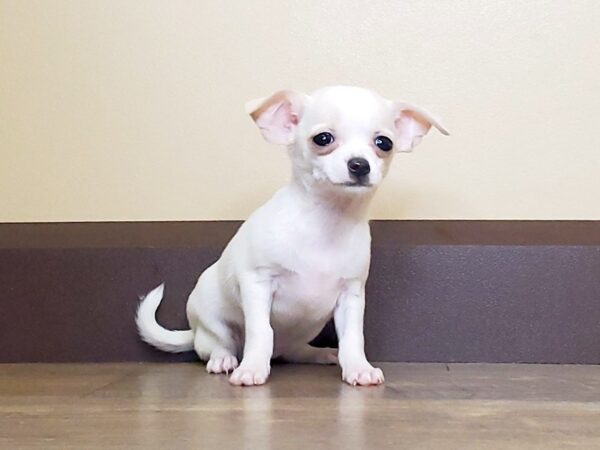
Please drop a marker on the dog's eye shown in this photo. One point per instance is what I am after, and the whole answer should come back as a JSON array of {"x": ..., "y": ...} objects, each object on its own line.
[
  {"x": 384, "y": 143},
  {"x": 323, "y": 139}
]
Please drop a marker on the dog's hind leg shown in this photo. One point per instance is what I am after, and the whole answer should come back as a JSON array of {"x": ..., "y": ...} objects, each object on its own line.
[
  {"x": 308, "y": 354},
  {"x": 221, "y": 355},
  {"x": 214, "y": 339},
  {"x": 215, "y": 343}
]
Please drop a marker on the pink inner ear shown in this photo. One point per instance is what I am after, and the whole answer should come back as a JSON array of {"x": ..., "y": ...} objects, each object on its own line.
[
  {"x": 411, "y": 129},
  {"x": 277, "y": 123}
]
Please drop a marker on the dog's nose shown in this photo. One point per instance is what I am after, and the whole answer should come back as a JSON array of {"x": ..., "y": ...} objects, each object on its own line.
[{"x": 359, "y": 167}]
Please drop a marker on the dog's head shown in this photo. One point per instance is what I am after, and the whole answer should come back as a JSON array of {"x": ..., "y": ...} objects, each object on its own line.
[{"x": 341, "y": 137}]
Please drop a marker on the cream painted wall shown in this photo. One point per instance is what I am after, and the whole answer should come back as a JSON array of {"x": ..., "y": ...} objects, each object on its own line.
[{"x": 133, "y": 110}]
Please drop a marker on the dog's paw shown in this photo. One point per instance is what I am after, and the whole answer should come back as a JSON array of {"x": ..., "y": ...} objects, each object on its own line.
[
  {"x": 366, "y": 375},
  {"x": 312, "y": 355},
  {"x": 326, "y": 356},
  {"x": 221, "y": 363},
  {"x": 249, "y": 375}
]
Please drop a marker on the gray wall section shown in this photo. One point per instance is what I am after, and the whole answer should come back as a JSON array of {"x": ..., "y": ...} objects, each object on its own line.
[
  {"x": 71, "y": 298},
  {"x": 485, "y": 304}
]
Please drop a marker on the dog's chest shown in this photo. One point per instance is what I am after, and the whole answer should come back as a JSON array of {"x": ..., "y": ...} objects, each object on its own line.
[
  {"x": 310, "y": 294},
  {"x": 313, "y": 269}
]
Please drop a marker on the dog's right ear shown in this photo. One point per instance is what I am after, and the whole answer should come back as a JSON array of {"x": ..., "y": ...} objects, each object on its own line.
[{"x": 278, "y": 115}]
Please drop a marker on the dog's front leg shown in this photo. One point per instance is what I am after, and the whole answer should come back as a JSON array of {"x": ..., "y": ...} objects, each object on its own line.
[
  {"x": 348, "y": 317},
  {"x": 256, "y": 299}
]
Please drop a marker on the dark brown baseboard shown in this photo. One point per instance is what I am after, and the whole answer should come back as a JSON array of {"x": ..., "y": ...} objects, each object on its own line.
[{"x": 469, "y": 291}]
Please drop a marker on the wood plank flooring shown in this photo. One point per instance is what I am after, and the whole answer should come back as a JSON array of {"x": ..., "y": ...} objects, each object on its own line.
[{"x": 179, "y": 406}]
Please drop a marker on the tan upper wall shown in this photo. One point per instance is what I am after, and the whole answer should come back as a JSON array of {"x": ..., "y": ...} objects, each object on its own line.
[{"x": 133, "y": 110}]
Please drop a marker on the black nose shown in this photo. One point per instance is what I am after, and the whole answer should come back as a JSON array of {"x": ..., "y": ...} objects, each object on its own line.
[{"x": 359, "y": 167}]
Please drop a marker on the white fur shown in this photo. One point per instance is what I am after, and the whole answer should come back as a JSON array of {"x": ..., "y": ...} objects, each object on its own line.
[
  {"x": 303, "y": 257},
  {"x": 152, "y": 333}
]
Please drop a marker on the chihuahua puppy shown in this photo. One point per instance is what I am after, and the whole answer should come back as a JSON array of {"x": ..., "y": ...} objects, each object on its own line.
[{"x": 303, "y": 257}]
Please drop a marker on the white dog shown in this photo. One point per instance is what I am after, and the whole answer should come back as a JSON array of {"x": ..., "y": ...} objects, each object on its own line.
[{"x": 303, "y": 257}]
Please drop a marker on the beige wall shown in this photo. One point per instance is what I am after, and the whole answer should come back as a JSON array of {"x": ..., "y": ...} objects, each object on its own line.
[{"x": 133, "y": 110}]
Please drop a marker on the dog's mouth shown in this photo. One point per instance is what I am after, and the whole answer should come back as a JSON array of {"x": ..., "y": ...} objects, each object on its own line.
[{"x": 354, "y": 184}]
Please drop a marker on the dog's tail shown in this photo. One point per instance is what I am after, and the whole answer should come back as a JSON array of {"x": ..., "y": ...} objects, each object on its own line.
[{"x": 174, "y": 341}]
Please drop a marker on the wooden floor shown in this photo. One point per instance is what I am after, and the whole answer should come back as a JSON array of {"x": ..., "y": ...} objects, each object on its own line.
[{"x": 179, "y": 406}]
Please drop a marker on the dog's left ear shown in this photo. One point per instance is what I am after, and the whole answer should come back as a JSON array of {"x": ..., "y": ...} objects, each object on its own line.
[
  {"x": 412, "y": 123},
  {"x": 278, "y": 115}
]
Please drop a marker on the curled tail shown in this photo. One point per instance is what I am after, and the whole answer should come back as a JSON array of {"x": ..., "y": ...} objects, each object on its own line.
[{"x": 174, "y": 341}]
